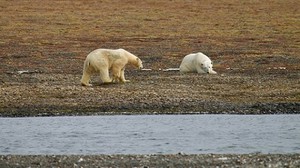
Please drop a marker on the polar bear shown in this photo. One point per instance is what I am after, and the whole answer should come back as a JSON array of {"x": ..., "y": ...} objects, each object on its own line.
[
  {"x": 196, "y": 62},
  {"x": 102, "y": 61}
]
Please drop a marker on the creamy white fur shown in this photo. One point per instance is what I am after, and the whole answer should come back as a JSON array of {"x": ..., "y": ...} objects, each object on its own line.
[
  {"x": 102, "y": 61},
  {"x": 196, "y": 62}
]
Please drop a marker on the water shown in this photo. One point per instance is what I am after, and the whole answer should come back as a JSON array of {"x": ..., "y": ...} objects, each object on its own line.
[{"x": 151, "y": 134}]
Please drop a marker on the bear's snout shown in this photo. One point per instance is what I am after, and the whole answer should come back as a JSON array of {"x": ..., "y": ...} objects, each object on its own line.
[{"x": 141, "y": 66}]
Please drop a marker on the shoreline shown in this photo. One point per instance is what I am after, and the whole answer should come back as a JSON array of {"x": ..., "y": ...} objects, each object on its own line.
[
  {"x": 256, "y": 109},
  {"x": 153, "y": 160}
]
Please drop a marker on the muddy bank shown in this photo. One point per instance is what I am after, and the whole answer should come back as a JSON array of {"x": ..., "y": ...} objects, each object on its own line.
[{"x": 176, "y": 160}]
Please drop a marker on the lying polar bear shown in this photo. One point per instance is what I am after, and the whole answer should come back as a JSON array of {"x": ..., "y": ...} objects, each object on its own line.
[
  {"x": 196, "y": 62},
  {"x": 102, "y": 61}
]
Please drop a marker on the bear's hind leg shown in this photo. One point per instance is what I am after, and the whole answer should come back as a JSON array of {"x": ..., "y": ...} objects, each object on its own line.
[
  {"x": 116, "y": 75},
  {"x": 85, "y": 79}
]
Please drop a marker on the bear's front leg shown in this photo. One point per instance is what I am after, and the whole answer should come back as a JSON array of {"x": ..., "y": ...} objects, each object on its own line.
[
  {"x": 123, "y": 76},
  {"x": 115, "y": 79}
]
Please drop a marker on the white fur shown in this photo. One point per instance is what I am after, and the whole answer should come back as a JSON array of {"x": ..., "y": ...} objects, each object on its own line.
[
  {"x": 102, "y": 61},
  {"x": 196, "y": 62}
]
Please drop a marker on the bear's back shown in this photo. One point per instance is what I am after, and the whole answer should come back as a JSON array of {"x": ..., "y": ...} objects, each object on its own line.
[
  {"x": 106, "y": 53},
  {"x": 187, "y": 63},
  {"x": 201, "y": 58}
]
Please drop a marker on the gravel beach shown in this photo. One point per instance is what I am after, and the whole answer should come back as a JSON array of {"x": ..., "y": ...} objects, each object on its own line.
[{"x": 174, "y": 160}]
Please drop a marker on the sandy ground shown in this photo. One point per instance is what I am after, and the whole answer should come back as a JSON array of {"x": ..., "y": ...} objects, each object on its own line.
[{"x": 254, "y": 46}]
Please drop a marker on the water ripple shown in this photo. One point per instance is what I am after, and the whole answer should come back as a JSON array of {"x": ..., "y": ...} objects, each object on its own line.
[{"x": 147, "y": 134}]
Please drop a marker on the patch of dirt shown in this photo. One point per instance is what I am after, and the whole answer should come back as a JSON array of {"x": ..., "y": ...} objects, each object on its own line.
[{"x": 254, "y": 47}]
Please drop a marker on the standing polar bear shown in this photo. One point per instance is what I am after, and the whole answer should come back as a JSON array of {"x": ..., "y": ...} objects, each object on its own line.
[
  {"x": 196, "y": 62},
  {"x": 102, "y": 61}
]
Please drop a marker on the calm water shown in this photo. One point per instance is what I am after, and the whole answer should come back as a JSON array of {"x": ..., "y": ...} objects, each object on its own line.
[{"x": 151, "y": 134}]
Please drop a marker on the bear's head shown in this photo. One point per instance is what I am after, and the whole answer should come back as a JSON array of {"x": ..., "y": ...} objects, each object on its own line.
[
  {"x": 207, "y": 67},
  {"x": 139, "y": 63}
]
